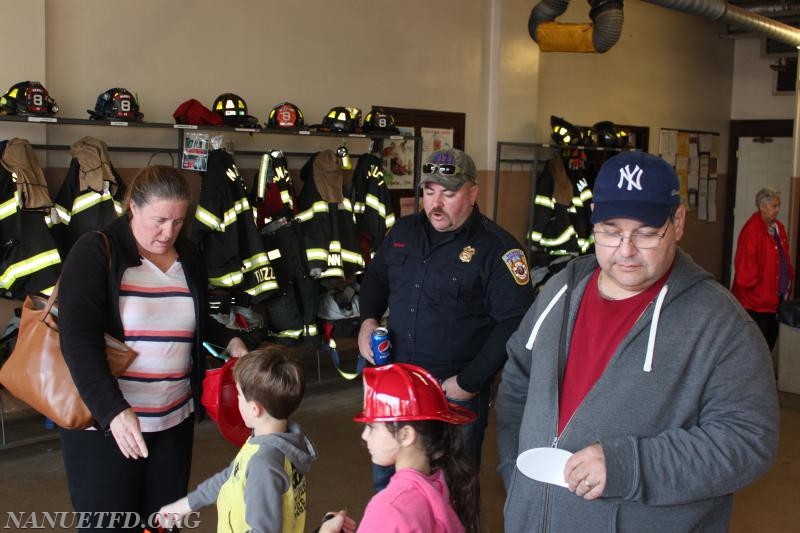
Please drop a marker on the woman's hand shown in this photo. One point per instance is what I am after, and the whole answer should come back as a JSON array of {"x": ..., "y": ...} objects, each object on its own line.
[
  {"x": 128, "y": 434},
  {"x": 236, "y": 347}
]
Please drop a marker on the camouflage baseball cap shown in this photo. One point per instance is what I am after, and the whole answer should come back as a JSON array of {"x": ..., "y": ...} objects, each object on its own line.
[{"x": 449, "y": 168}]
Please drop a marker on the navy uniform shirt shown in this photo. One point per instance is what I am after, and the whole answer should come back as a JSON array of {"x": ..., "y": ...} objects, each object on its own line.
[{"x": 452, "y": 305}]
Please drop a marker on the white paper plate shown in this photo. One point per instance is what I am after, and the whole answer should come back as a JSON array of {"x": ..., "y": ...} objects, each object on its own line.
[{"x": 544, "y": 464}]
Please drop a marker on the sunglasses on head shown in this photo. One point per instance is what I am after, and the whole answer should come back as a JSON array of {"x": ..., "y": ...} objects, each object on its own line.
[{"x": 445, "y": 169}]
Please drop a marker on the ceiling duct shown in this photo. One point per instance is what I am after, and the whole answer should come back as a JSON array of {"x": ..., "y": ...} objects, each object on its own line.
[{"x": 607, "y": 18}]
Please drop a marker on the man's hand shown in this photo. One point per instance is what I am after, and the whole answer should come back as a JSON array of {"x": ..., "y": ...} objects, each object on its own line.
[
  {"x": 128, "y": 433},
  {"x": 454, "y": 392},
  {"x": 365, "y": 337},
  {"x": 585, "y": 472}
]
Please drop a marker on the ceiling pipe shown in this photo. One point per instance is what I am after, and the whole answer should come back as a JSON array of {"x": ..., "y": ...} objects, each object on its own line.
[
  {"x": 735, "y": 16},
  {"x": 607, "y": 20}
]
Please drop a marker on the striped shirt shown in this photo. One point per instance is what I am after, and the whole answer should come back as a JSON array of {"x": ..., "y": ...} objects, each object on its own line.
[{"x": 157, "y": 312}]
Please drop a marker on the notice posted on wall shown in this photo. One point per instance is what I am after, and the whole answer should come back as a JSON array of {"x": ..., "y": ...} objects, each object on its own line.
[{"x": 195, "y": 151}]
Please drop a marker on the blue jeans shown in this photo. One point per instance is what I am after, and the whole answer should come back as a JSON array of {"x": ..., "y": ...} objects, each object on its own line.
[{"x": 472, "y": 433}]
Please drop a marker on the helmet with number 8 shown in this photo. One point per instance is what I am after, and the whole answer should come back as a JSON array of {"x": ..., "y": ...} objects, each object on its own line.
[
  {"x": 379, "y": 121},
  {"x": 285, "y": 116},
  {"x": 116, "y": 103},
  {"x": 28, "y": 98}
]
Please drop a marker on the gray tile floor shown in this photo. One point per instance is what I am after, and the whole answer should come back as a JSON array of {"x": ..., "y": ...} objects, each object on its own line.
[{"x": 32, "y": 477}]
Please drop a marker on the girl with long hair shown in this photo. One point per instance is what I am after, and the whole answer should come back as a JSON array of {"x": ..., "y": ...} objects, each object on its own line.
[{"x": 410, "y": 424}]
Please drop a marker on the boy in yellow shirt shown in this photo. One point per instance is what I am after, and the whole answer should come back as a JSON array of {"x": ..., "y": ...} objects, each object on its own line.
[{"x": 264, "y": 488}]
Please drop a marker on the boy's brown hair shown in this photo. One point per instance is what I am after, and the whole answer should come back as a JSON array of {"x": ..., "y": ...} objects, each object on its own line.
[{"x": 273, "y": 378}]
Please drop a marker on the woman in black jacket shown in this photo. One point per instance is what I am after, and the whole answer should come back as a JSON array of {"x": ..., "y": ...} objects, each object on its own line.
[{"x": 151, "y": 293}]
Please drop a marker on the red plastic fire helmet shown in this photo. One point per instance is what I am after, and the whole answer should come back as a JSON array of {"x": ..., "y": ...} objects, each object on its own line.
[
  {"x": 402, "y": 392},
  {"x": 221, "y": 401}
]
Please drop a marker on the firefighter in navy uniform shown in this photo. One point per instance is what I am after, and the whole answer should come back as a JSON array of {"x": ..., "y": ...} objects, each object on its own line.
[{"x": 456, "y": 286}]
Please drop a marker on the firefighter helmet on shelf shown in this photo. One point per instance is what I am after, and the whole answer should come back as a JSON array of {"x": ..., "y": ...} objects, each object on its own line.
[
  {"x": 609, "y": 135},
  {"x": 285, "y": 116},
  {"x": 116, "y": 103},
  {"x": 379, "y": 121},
  {"x": 339, "y": 119},
  {"x": 355, "y": 114},
  {"x": 27, "y": 98},
  {"x": 233, "y": 110},
  {"x": 565, "y": 133}
]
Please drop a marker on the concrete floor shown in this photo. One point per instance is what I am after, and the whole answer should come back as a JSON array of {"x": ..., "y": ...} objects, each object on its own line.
[{"x": 32, "y": 477}]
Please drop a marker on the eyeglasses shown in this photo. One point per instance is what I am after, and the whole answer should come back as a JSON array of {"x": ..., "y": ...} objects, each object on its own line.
[
  {"x": 642, "y": 241},
  {"x": 445, "y": 169}
]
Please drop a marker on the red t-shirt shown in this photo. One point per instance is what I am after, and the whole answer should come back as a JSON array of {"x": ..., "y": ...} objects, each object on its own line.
[{"x": 600, "y": 327}]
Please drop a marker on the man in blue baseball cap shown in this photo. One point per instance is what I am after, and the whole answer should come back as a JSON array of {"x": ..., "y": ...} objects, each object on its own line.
[{"x": 637, "y": 361}]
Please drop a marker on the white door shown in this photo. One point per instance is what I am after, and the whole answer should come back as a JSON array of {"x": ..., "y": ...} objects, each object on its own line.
[{"x": 760, "y": 164}]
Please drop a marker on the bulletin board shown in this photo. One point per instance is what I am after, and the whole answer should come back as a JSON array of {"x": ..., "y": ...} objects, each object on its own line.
[{"x": 695, "y": 157}]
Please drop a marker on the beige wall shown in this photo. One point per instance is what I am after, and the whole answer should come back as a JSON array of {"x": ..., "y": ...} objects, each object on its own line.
[{"x": 472, "y": 56}]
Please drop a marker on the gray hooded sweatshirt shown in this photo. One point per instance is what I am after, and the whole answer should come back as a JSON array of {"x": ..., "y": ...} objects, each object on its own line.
[
  {"x": 264, "y": 488},
  {"x": 686, "y": 410}
]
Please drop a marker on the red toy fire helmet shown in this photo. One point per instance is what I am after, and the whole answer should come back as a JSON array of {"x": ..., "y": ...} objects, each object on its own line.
[
  {"x": 403, "y": 392},
  {"x": 220, "y": 398},
  {"x": 193, "y": 111}
]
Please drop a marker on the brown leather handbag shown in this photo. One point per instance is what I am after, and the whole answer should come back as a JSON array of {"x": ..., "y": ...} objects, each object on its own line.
[{"x": 36, "y": 372}]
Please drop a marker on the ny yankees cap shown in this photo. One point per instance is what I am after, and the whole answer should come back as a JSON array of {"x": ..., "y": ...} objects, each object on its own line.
[
  {"x": 635, "y": 185},
  {"x": 449, "y": 168}
]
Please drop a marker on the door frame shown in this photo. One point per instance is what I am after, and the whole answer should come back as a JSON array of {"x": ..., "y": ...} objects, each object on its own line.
[{"x": 738, "y": 129}]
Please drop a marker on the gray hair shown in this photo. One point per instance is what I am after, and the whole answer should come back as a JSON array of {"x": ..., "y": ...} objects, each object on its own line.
[{"x": 767, "y": 193}]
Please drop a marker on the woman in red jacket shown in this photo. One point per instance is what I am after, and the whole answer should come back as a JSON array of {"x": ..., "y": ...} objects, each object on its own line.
[{"x": 764, "y": 271}]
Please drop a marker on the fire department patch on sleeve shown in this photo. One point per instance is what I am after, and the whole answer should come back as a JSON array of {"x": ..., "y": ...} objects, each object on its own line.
[{"x": 517, "y": 265}]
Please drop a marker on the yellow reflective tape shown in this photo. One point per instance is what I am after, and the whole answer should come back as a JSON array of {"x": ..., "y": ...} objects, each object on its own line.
[
  {"x": 9, "y": 207},
  {"x": 227, "y": 280},
  {"x": 560, "y": 239},
  {"x": 317, "y": 254},
  {"x": 263, "y": 168},
  {"x": 208, "y": 219},
  {"x": 287, "y": 333},
  {"x": 332, "y": 273},
  {"x": 63, "y": 214},
  {"x": 352, "y": 257},
  {"x": 256, "y": 261},
  {"x": 390, "y": 221},
  {"x": 544, "y": 201},
  {"x": 87, "y": 200},
  {"x": 29, "y": 266},
  {"x": 375, "y": 204},
  {"x": 261, "y": 288}
]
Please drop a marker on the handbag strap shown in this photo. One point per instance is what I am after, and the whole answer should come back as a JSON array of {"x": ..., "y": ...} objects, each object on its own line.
[{"x": 51, "y": 300}]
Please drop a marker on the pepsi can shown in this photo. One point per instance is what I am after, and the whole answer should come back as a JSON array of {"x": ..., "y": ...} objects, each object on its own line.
[{"x": 381, "y": 348}]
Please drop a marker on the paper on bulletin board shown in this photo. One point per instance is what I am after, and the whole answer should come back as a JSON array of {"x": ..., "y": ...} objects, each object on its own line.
[
  {"x": 398, "y": 161},
  {"x": 407, "y": 206},
  {"x": 668, "y": 145},
  {"x": 694, "y": 163},
  {"x": 712, "y": 200},
  {"x": 702, "y": 200},
  {"x": 705, "y": 142},
  {"x": 434, "y": 139}
]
